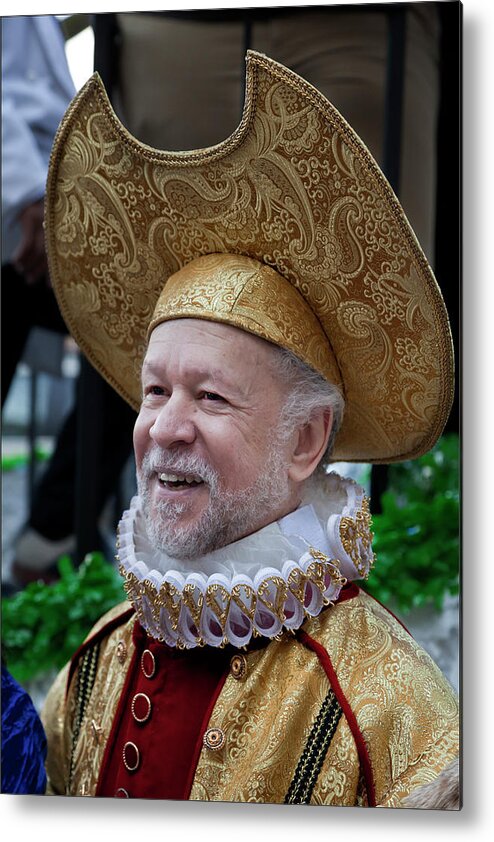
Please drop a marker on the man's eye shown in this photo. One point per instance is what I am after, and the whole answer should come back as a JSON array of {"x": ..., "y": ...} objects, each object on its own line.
[
  {"x": 212, "y": 396},
  {"x": 155, "y": 390}
]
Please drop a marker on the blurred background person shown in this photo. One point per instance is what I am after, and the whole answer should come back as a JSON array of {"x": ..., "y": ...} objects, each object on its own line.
[{"x": 36, "y": 89}]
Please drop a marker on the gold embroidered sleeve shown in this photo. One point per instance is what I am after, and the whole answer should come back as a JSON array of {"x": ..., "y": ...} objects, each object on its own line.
[
  {"x": 406, "y": 710},
  {"x": 74, "y": 759},
  {"x": 277, "y": 719},
  {"x": 423, "y": 770}
]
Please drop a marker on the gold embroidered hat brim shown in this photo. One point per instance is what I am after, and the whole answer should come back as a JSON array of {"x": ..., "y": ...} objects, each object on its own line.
[{"x": 293, "y": 187}]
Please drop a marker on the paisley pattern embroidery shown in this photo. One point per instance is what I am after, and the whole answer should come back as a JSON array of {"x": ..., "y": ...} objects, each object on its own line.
[
  {"x": 293, "y": 188},
  {"x": 405, "y": 708},
  {"x": 388, "y": 681}
]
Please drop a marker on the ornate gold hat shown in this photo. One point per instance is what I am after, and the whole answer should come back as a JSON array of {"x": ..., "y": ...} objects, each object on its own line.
[{"x": 287, "y": 229}]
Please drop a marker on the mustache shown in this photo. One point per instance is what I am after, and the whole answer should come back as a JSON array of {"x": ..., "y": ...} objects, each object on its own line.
[{"x": 158, "y": 461}]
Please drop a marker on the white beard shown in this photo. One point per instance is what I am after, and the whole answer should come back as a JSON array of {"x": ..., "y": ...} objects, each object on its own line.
[{"x": 228, "y": 516}]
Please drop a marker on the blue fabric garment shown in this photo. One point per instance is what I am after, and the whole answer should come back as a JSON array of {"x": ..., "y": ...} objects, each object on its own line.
[{"x": 23, "y": 741}]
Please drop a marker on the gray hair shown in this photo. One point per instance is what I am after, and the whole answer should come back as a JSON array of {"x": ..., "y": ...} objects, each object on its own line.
[{"x": 309, "y": 392}]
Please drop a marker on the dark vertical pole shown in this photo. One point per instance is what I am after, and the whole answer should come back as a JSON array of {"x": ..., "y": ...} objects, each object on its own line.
[
  {"x": 448, "y": 246},
  {"x": 394, "y": 96},
  {"x": 105, "y": 30},
  {"x": 247, "y": 43},
  {"x": 391, "y": 162},
  {"x": 89, "y": 460},
  {"x": 33, "y": 389}
]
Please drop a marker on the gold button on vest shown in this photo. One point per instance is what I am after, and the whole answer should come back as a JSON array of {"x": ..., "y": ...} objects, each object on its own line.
[
  {"x": 238, "y": 666},
  {"x": 214, "y": 739}
]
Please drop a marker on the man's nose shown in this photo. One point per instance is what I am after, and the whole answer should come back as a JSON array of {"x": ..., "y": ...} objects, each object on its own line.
[{"x": 174, "y": 423}]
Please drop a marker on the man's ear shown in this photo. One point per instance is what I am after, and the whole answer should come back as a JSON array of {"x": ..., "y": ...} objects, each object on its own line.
[{"x": 310, "y": 443}]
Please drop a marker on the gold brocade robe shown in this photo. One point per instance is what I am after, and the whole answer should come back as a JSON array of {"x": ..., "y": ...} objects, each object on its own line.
[{"x": 273, "y": 716}]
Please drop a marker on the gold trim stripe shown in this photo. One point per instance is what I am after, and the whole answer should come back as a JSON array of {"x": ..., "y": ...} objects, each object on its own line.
[
  {"x": 316, "y": 748},
  {"x": 85, "y": 682}
]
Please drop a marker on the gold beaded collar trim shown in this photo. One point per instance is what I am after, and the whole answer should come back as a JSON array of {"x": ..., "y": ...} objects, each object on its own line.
[{"x": 193, "y": 607}]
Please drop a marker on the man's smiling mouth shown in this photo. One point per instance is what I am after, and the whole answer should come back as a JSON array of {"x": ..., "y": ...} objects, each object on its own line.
[{"x": 177, "y": 481}]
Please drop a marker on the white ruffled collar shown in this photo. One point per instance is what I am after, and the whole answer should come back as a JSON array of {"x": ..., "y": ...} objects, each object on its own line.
[{"x": 257, "y": 586}]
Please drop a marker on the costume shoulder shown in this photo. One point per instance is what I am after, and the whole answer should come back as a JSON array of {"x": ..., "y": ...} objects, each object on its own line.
[
  {"x": 405, "y": 708},
  {"x": 358, "y": 622},
  {"x": 360, "y": 631},
  {"x": 100, "y": 637},
  {"x": 107, "y": 623}
]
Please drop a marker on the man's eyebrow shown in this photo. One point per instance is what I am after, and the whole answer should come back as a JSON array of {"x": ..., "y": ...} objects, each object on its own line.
[
  {"x": 216, "y": 376},
  {"x": 221, "y": 382},
  {"x": 148, "y": 367}
]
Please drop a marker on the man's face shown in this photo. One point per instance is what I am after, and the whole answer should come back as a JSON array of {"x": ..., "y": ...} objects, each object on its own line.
[{"x": 210, "y": 465}]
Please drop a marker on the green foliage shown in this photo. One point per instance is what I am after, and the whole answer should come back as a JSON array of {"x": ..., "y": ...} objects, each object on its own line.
[
  {"x": 417, "y": 534},
  {"x": 12, "y": 461},
  {"x": 43, "y": 625}
]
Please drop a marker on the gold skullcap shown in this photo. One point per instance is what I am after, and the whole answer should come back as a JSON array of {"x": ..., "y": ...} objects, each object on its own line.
[
  {"x": 242, "y": 292},
  {"x": 287, "y": 229}
]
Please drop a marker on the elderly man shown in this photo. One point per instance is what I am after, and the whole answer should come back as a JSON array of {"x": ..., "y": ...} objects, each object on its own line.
[{"x": 265, "y": 305}]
